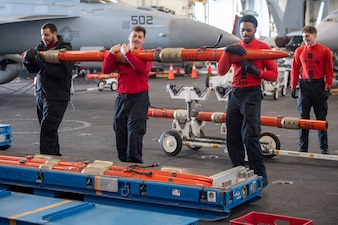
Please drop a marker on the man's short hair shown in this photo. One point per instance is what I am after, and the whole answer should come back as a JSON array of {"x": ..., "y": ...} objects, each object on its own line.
[
  {"x": 309, "y": 29},
  {"x": 139, "y": 29},
  {"x": 49, "y": 25},
  {"x": 249, "y": 18}
]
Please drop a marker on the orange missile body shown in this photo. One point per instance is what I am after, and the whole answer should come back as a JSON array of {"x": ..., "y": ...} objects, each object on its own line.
[
  {"x": 280, "y": 122},
  {"x": 20, "y": 163},
  {"x": 22, "y": 159},
  {"x": 68, "y": 168},
  {"x": 158, "y": 175},
  {"x": 162, "y": 112},
  {"x": 166, "y": 55},
  {"x": 95, "y": 76}
]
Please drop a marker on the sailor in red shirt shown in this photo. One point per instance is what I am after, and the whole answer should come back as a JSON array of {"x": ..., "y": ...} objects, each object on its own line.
[
  {"x": 312, "y": 67},
  {"x": 132, "y": 101},
  {"x": 244, "y": 105}
]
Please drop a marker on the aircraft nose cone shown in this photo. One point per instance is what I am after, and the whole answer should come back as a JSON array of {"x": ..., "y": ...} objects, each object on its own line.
[
  {"x": 327, "y": 30},
  {"x": 197, "y": 34},
  {"x": 325, "y": 36}
]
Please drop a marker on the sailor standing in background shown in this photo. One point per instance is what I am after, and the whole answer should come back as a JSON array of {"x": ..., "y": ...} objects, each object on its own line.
[{"x": 312, "y": 63}]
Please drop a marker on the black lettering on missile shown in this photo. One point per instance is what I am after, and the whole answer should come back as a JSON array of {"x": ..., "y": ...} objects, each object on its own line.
[{"x": 189, "y": 57}]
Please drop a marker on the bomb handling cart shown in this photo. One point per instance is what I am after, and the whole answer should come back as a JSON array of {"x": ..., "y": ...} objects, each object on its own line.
[{"x": 187, "y": 125}]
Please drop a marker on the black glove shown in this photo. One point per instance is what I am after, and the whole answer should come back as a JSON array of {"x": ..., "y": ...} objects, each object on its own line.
[
  {"x": 30, "y": 54},
  {"x": 325, "y": 95},
  {"x": 235, "y": 49},
  {"x": 40, "y": 60},
  {"x": 250, "y": 68},
  {"x": 293, "y": 93}
]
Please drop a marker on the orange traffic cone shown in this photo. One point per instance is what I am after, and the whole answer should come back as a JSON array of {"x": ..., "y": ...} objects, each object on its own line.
[
  {"x": 171, "y": 75},
  {"x": 209, "y": 69},
  {"x": 193, "y": 72}
]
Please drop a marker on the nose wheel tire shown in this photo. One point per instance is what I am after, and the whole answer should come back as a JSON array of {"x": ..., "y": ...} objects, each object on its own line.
[{"x": 171, "y": 143}]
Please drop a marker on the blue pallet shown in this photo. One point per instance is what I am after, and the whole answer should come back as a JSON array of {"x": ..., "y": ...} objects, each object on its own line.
[
  {"x": 134, "y": 193},
  {"x": 26, "y": 209},
  {"x": 5, "y": 136}
]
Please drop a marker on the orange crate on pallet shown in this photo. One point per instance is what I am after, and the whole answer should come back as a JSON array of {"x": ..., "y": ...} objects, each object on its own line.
[{"x": 258, "y": 218}]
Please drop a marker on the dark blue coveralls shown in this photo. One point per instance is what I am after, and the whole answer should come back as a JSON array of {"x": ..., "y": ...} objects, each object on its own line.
[
  {"x": 309, "y": 96},
  {"x": 244, "y": 109},
  {"x": 130, "y": 120}
]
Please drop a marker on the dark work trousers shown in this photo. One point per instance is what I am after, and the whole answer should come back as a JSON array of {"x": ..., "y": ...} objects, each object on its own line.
[
  {"x": 50, "y": 115},
  {"x": 130, "y": 122},
  {"x": 309, "y": 96},
  {"x": 244, "y": 128}
]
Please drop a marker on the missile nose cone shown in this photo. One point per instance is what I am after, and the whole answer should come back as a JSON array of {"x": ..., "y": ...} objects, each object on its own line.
[{"x": 188, "y": 33}]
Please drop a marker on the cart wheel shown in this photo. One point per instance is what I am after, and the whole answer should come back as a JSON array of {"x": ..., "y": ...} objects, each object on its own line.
[
  {"x": 171, "y": 142},
  {"x": 283, "y": 91},
  {"x": 101, "y": 85},
  {"x": 113, "y": 86},
  {"x": 275, "y": 93},
  {"x": 269, "y": 141}
]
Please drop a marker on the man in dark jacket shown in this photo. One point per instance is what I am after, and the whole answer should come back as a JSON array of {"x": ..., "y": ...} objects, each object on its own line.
[{"x": 52, "y": 87}]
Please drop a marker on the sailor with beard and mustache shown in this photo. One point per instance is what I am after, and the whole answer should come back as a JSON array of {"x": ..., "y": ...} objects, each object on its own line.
[
  {"x": 244, "y": 105},
  {"x": 132, "y": 101},
  {"x": 52, "y": 89}
]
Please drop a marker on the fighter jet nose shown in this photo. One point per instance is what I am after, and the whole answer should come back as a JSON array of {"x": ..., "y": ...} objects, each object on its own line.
[
  {"x": 327, "y": 30},
  {"x": 324, "y": 38},
  {"x": 199, "y": 34}
]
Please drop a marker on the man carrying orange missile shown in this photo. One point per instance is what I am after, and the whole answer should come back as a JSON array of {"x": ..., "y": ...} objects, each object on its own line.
[
  {"x": 244, "y": 105},
  {"x": 52, "y": 87},
  {"x": 132, "y": 101}
]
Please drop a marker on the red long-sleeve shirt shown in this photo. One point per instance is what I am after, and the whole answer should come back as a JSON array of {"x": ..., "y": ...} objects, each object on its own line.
[
  {"x": 312, "y": 62},
  {"x": 268, "y": 68},
  {"x": 133, "y": 76}
]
